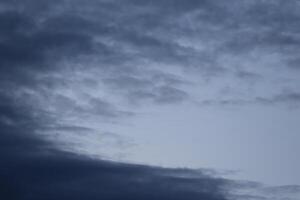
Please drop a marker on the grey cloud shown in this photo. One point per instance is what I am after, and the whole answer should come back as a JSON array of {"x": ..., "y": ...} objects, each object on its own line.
[
  {"x": 31, "y": 168},
  {"x": 160, "y": 95},
  {"x": 248, "y": 75},
  {"x": 128, "y": 82},
  {"x": 225, "y": 102},
  {"x": 170, "y": 94},
  {"x": 282, "y": 190},
  {"x": 250, "y": 190},
  {"x": 134, "y": 53},
  {"x": 118, "y": 43},
  {"x": 157, "y": 87},
  {"x": 266, "y": 28},
  {"x": 103, "y": 108},
  {"x": 294, "y": 63},
  {"x": 285, "y": 97},
  {"x": 85, "y": 140},
  {"x": 40, "y": 43}
]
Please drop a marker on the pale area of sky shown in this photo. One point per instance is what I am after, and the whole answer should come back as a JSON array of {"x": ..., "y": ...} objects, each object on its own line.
[{"x": 261, "y": 143}]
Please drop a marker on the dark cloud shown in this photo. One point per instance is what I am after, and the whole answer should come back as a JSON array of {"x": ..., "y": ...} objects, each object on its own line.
[
  {"x": 36, "y": 43},
  {"x": 31, "y": 168},
  {"x": 38, "y": 38},
  {"x": 34, "y": 48}
]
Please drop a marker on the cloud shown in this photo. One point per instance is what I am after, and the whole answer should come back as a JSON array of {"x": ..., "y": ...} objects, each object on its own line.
[
  {"x": 31, "y": 168},
  {"x": 255, "y": 191},
  {"x": 286, "y": 189},
  {"x": 290, "y": 97},
  {"x": 125, "y": 50},
  {"x": 68, "y": 65}
]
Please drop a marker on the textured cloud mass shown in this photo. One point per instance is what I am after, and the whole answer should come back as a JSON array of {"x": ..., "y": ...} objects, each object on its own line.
[
  {"x": 72, "y": 69},
  {"x": 32, "y": 169},
  {"x": 139, "y": 49}
]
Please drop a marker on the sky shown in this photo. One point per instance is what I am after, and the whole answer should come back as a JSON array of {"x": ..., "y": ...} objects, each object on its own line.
[{"x": 149, "y": 99}]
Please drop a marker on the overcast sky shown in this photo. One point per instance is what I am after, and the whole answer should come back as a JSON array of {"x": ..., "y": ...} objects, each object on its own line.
[{"x": 150, "y": 99}]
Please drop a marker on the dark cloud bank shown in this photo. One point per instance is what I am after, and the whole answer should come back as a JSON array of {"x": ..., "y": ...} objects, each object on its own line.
[
  {"x": 32, "y": 169},
  {"x": 38, "y": 37}
]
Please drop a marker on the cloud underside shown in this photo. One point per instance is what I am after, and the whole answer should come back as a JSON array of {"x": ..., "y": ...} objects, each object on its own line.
[{"x": 66, "y": 63}]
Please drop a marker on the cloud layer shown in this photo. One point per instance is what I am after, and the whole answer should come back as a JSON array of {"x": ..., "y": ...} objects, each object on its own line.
[
  {"x": 70, "y": 67},
  {"x": 32, "y": 168}
]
